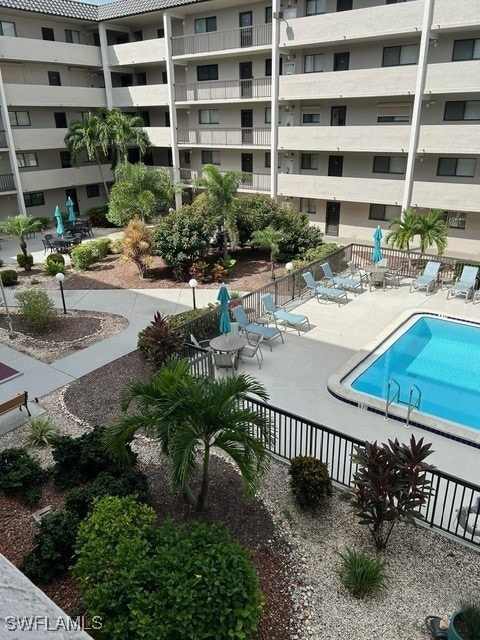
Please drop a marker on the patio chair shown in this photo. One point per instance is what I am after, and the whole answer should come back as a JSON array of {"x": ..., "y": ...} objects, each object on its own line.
[
  {"x": 223, "y": 361},
  {"x": 356, "y": 272},
  {"x": 322, "y": 292},
  {"x": 469, "y": 518},
  {"x": 47, "y": 246},
  {"x": 280, "y": 315},
  {"x": 252, "y": 350},
  {"x": 465, "y": 285},
  {"x": 204, "y": 345},
  {"x": 344, "y": 283},
  {"x": 268, "y": 333},
  {"x": 428, "y": 278}
]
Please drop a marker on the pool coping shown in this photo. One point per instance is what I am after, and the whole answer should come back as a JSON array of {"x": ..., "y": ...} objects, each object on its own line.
[{"x": 444, "y": 428}]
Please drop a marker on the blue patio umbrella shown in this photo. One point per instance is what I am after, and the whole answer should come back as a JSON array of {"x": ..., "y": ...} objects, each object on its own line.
[
  {"x": 377, "y": 254},
  {"x": 71, "y": 213},
  {"x": 59, "y": 221},
  {"x": 223, "y": 297}
]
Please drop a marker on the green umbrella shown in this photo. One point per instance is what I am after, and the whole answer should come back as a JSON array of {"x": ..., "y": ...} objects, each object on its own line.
[
  {"x": 223, "y": 297},
  {"x": 59, "y": 221}
]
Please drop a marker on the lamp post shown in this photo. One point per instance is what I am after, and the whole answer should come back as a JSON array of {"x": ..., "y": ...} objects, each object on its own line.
[
  {"x": 193, "y": 284},
  {"x": 289, "y": 268},
  {"x": 61, "y": 277}
]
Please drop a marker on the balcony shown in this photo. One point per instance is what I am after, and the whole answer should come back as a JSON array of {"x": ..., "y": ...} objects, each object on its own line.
[
  {"x": 228, "y": 90},
  {"x": 159, "y": 136},
  {"x": 446, "y": 195},
  {"x": 453, "y": 77},
  {"x": 141, "y": 96},
  {"x": 31, "y": 95},
  {"x": 240, "y": 137},
  {"x": 450, "y": 138},
  {"x": 465, "y": 15},
  {"x": 143, "y": 52},
  {"x": 7, "y": 182},
  {"x": 35, "y": 50},
  {"x": 380, "y": 138},
  {"x": 3, "y": 140},
  {"x": 245, "y": 37},
  {"x": 64, "y": 178},
  {"x": 256, "y": 182},
  {"x": 36, "y": 139}
]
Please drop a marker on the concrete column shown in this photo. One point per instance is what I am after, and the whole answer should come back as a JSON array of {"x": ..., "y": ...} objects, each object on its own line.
[
  {"x": 274, "y": 99},
  {"x": 102, "y": 30},
  {"x": 167, "y": 25}
]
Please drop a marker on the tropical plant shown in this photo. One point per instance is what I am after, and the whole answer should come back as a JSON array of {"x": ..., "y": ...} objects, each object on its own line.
[
  {"x": 36, "y": 309},
  {"x": 253, "y": 211},
  {"x": 26, "y": 262},
  {"x": 123, "y": 130},
  {"x": 466, "y": 620},
  {"x": 220, "y": 189},
  {"x": 298, "y": 235},
  {"x": 83, "y": 256},
  {"x": 360, "y": 574},
  {"x": 9, "y": 277},
  {"x": 41, "y": 431},
  {"x": 20, "y": 226},
  {"x": 159, "y": 341},
  {"x": 269, "y": 238},
  {"x": 21, "y": 475},
  {"x": 390, "y": 485},
  {"x": 189, "y": 415},
  {"x": 310, "y": 482},
  {"x": 138, "y": 245},
  {"x": 431, "y": 228}
]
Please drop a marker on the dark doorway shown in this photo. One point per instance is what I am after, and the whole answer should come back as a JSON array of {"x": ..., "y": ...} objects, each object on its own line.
[
  {"x": 73, "y": 195},
  {"x": 246, "y": 75},
  {"x": 247, "y": 126},
  {"x": 247, "y": 168},
  {"x": 60, "y": 119},
  {"x": 344, "y": 5},
  {"x": 335, "y": 166},
  {"x": 341, "y": 61},
  {"x": 332, "y": 218},
  {"x": 54, "y": 79},
  {"x": 338, "y": 116},
  {"x": 245, "y": 21}
]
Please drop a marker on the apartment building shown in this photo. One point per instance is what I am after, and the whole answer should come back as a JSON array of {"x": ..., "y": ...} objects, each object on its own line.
[{"x": 352, "y": 110}]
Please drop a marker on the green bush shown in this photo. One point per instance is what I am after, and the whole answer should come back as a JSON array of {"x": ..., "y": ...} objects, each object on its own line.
[
  {"x": 52, "y": 268},
  {"x": 79, "y": 501},
  {"x": 41, "y": 430},
  {"x": 83, "y": 256},
  {"x": 117, "y": 246},
  {"x": 310, "y": 482},
  {"x": 171, "y": 581},
  {"x": 98, "y": 216},
  {"x": 102, "y": 247},
  {"x": 36, "y": 309},
  {"x": 360, "y": 574},
  {"x": 25, "y": 261},
  {"x": 55, "y": 257},
  {"x": 467, "y": 622},
  {"x": 9, "y": 277},
  {"x": 21, "y": 475},
  {"x": 54, "y": 547},
  {"x": 159, "y": 341},
  {"x": 43, "y": 222}
]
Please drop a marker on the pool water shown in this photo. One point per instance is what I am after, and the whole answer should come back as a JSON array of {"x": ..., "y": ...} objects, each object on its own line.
[{"x": 442, "y": 358}]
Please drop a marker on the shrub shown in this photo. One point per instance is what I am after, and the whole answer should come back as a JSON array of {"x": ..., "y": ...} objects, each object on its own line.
[
  {"x": 138, "y": 245},
  {"x": 21, "y": 475},
  {"x": 159, "y": 341},
  {"x": 36, "y": 309},
  {"x": 317, "y": 253},
  {"x": 1, "y": 263},
  {"x": 25, "y": 261},
  {"x": 9, "y": 277},
  {"x": 467, "y": 621},
  {"x": 41, "y": 431},
  {"x": 310, "y": 482},
  {"x": 98, "y": 216},
  {"x": 101, "y": 247},
  {"x": 360, "y": 574},
  {"x": 52, "y": 268},
  {"x": 169, "y": 582},
  {"x": 55, "y": 257},
  {"x": 79, "y": 501},
  {"x": 83, "y": 256},
  {"x": 43, "y": 222},
  {"x": 54, "y": 547},
  {"x": 117, "y": 246}
]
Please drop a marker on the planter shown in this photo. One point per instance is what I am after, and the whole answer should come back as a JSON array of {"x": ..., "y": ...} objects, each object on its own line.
[{"x": 452, "y": 632}]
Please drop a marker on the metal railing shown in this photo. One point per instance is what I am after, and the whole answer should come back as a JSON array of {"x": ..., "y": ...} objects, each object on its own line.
[
  {"x": 7, "y": 182},
  {"x": 257, "y": 36},
  {"x": 253, "y": 137},
  {"x": 224, "y": 90},
  {"x": 3, "y": 140}
]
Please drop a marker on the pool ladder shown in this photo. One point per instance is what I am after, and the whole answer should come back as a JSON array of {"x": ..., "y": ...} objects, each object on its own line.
[{"x": 413, "y": 401}]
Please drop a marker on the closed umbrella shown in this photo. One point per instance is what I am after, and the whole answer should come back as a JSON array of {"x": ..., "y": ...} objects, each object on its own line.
[
  {"x": 59, "y": 219},
  {"x": 223, "y": 297},
  {"x": 71, "y": 213},
  {"x": 377, "y": 254}
]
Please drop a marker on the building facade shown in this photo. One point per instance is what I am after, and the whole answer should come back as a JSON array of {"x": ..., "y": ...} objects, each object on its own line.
[{"x": 352, "y": 110}]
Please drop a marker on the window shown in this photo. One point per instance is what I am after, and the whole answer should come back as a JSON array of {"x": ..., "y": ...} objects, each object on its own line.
[
  {"x": 34, "y": 199},
  {"x": 60, "y": 119},
  {"x": 384, "y": 212},
  {"x": 466, "y": 49},
  {"x": 145, "y": 116},
  {"x": 456, "y": 219},
  {"x": 27, "y": 160},
  {"x": 344, "y": 5},
  {"x": 72, "y": 36},
  {"x": 48, "y": 34},
  {"x": 310, "y": 118},
  {"x": 462, "y": 167},
  {"x": 308, "y": 205},
  {"x": 126, "y": 80},
  {"x": 19, "y": 118},
  {"x": 313, "y": 63},
  {"x": 338, "y": 116},
  {"x": 268, "y": 115},
  {"x": 268, "y": 67},
  {"x": 65, "y": 161},
  {"x": 164, "y": 77},
  {"x": 161, "y": 33},
  {"x": 137, "y": 36},
  {"x": 462, "y": 110},
  {"x": 309, "y": 161},
  {"x": 390, "y": 112},
  {"x": 268, "y": 159},
  {"x": 406, "y": 54},
  {"x": 209, "y": 116},
  {"x": 210, "y": 157},
  {"x": 93, "y": 190},
  {"x": 81, "y": 115},
  {"x": 207, "y": 72},
  {"x": 54, "y": 78},
  {"x": 268, "y": 15},
  {"x": 7, "y": 28},
  {"x": 204, "y": 25},
  {"x": 341, "y": 61},
  {"x": 395, "y": 1},
  {"x": 314, "y": 7},
  {"x": 141, "y": 78},
  {"x": 389, "y": 164}
]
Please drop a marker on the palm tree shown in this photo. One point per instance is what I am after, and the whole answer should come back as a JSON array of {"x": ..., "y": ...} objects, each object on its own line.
[
  {"x": 189, "y": 416},
  {"x": 404, "y": 229},
  {"x": 220, "y": 189},
  {"x": 124, "y": 129},
  {"x": 20, "y": 226},
  {"x": 269, "y": 238},
  {"x": 433, "y": 229}
]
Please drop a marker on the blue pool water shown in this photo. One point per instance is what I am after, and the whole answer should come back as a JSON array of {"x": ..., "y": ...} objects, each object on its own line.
[{"x": 442, "y": 358}]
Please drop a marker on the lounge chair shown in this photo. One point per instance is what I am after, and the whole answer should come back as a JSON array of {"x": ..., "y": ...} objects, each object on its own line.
[
  {"x": 428, "y": 278},
  {"x": 323, "y": 292},
  {"x": 338, "y": 281},
  {"x": 280, "y": 315},
  {"x": 268, "y": 333},
  {"x": 252, "y": 350},
  {"x": 465, "y": 285}
]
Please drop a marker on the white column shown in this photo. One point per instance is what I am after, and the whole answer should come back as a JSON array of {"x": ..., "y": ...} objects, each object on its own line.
[
  {"x": 167, "y": 25},
  {"x": 274, "y": 99},
  {"x": 102, "y": 30},
  {"x": 417, "y": 104}
]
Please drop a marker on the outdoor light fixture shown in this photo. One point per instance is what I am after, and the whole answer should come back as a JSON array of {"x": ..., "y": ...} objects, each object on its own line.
[
  {"x": 193, "y": 284},
  {"x": 289, "y": 268},
  {"x": 61, "y": 277}
]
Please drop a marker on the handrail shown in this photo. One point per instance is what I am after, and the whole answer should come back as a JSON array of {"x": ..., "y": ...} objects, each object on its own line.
[
  {"x": 396, "y": 396},
  {"x": 413, "y": 405}
]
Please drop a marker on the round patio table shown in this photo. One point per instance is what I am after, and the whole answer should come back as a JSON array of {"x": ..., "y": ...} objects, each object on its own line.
[{"x": 227, "y": 343}]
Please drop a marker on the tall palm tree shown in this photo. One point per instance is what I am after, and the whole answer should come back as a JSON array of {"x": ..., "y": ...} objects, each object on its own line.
[
  {"x": 124, "y": 129},
  {"x": 189, "y": 416},
  {"x": 404, "y": 228},
  {"x": 269, "y": 238},
  {"x": 20, "y": 226},
  {"x": 433, "y": 230},
  {"x": 220, "y": 189}
]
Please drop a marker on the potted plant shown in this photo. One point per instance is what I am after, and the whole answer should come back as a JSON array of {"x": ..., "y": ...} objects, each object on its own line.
[{"x": 465, "y": 622}]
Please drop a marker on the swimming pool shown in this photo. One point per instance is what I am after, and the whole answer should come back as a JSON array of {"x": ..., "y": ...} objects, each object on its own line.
[{"x": 441, "y": 357}]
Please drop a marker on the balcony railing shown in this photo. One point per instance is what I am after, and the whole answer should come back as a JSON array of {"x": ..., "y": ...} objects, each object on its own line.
[
  {"x": 258, "y": 36},
  {"x": 251, "y": 137},
  {"x": 256, "y": 182},
  {"x": 7, "y": 182},
  {"x": 3, "y": 140},
  {"x": 224, "y": 90}
]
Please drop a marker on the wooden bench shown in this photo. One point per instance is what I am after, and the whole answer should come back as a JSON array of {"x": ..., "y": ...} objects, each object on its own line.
[{"x": 19, "y": 401}]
